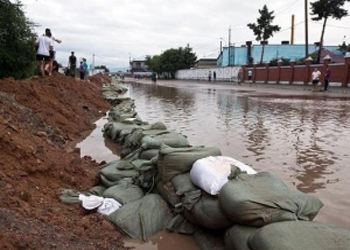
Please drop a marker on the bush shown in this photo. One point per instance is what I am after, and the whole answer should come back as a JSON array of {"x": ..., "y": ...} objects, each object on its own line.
[{"x": 17, "y": 53}]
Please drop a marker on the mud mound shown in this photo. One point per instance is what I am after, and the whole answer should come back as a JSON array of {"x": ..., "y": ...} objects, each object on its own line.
[
  {"x": 100, "y": 79},
  {"x": 39, "y": 121}
]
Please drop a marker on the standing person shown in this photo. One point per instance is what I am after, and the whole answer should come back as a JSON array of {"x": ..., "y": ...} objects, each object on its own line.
[
  {"x": 315, "y": 77},
  {"x": 209, "y": 76},
  {"x": 49, "y": 67},
  {"x": 154, "y": 77},
  {"x": 44, "y": 45},
  {"x": 72, "y": 64},
  {"x": 327, "y": 78},
  {"x": 214, "y": 76},
  {"x": 86, "y": 69},
  {"x": 250, "y": 75},
  {"x": 81, "y": 70}
]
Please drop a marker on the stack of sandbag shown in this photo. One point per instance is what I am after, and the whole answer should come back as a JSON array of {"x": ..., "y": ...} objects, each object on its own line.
[{"x": 290, "y": 235}]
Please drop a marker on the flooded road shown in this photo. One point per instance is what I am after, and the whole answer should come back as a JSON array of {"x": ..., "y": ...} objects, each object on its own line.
[{"x": 303, "y": 139}]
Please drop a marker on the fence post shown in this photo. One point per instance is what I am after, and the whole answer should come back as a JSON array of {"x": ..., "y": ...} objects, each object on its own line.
[
  {"x": 267, "y": 73},
  {"x": 308, "y": 62},
  {"x": 279, "y": 64},
  {"x": 254, "y": 73},
  {"x": 347, "y": 70},
  {"x": 292, "y": 68}
]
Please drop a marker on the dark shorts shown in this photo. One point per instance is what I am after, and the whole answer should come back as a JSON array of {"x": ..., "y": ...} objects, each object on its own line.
[
  {"x": 42, "y": 58},
  {"x": 52, "y": 54},
  {"x": 315, "y": 82}
]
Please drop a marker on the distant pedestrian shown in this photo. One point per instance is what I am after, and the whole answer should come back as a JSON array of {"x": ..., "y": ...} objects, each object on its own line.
[
  {"x": 214, "y": 76},
  {"x": 86, "y": 69},
  {"x": 327, "y": 78},
  {"x": 250, "y": 75},
  {"x": 154, "y": 77},
  {"x": 81, "y": 70},
  {"x": 315, "y": 77},
  {"x": 209, "y": 76},
  {"x": 72, "y": 64},
  {"x": 43, "y": 45}
]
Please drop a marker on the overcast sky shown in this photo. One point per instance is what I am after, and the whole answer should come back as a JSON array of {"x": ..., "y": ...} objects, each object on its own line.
[{"x": 118, "y": 29}]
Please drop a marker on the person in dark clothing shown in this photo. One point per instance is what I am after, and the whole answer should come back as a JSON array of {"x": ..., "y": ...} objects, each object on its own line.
[
  {"x": 82, "y": 71},
  {"x": 214, "y": 76},
  {"x": 327, "y": 78},
  {"x": 72, "y": 64}
]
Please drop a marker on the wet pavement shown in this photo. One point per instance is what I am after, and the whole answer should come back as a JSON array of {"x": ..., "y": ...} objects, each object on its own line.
[{"x": 301, "y": 136}]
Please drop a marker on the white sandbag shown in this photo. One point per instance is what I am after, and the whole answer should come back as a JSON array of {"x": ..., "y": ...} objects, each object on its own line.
[
  {"x": 108, "y": 206},
  {"x": 90, "y": 202},
  {"x": 211, "y": 173}
]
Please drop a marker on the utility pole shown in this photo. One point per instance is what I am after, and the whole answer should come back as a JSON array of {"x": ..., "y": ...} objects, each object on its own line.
[
  {"x": 306, "y": 30},
  {"x": 292, "y": 32},
  {"x": 220, "y": 45},
  {"x": 229, "y": 46}
]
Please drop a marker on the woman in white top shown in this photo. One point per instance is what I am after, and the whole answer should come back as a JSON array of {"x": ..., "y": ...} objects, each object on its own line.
[{"x": 49, "y": 67}]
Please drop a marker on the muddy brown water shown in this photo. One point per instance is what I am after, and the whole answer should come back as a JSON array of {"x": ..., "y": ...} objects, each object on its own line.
[{"x": 305, "y": 140}]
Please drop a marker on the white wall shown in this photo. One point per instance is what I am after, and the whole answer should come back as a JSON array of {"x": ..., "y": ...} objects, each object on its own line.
[{"x": 222, "y": 74}]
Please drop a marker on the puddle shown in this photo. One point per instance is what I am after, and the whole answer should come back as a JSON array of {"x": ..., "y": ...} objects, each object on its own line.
[
  {"x": 97, "y": 147},
  {"x": 165, "y": 241}
]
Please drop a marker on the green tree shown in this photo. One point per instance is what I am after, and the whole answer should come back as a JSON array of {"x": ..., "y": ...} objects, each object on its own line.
[
  {"x": 172, "y": 60},
  {"x": 263, "y": 28},
  {"x": 324, "y": 9},
  {"x": 343, "y": 48},
  {"x": 17, "y": 53}
]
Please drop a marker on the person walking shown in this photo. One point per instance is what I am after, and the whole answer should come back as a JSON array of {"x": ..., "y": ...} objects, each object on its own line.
[
  {"x": 327, "y": 78},
  {"x": 43, "y": 45},
  {"x": 315, "y": 77},
  {"x": 49, "y": 66},
  {"x": 214, "y": 76},
  {"x": 72, "y": 64}
]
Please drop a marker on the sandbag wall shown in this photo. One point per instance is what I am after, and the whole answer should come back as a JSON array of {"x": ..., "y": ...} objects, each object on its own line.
[{"x": 152, "y": 181}]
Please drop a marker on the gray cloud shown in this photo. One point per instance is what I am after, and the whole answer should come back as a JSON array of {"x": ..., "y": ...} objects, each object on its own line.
[{"x": 117, "y": 29}]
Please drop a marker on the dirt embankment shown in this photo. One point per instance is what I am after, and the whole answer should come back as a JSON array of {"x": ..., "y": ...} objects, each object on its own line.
[{"x": 39, "y": 119}]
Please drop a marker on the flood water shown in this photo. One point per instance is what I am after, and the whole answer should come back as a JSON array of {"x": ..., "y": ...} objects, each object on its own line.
[{"x": 305, "y": 140}]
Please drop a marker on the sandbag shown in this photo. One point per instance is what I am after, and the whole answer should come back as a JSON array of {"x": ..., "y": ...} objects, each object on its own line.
[
  {"x": 236, "y": 237},
  {"x": 209, "y": 240},
  {"x": 257, "y": 200},
  {"x": 171, "y": 139},
  {"x": 142, "y": 218},
  {"x": 155, "y": 126},
  {"x": 149, "y": 154},
  {"x": 114, "y": 130},
  {"x": 207, "y": 213},
  {"x": 168, "y": 193},
  {"x": 174, "y": 161},
  {"x": 112, "y": 172},
  {"x": 212, "y": 173},
  {"x": 300, "y": 235},
  {"x": 182, "y": 184},
  {"x": 179, "y": 224},
  {"x": 97, "y": 190},
  {"x": 124, "y": 192}
]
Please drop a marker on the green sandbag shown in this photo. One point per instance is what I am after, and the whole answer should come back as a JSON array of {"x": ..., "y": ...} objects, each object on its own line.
[
  {"x": 69, "y": 196},
  {"x": 209, "y": 240},
  {"x": 179, "y": 224},
  {"x": 96, "y": 190},
  {"x": 300, "y": 235},
  {"x": 236, "y": 237},
  {"x": 260, "y": 199},
  {"x": 208, "y": 214},
  {"x": 174, "y": 161},
  {"x": 142, "y": 218},
  {"x": 112, "y": 173},
  {"x": 113, "y": 130},
  {"x": 171, "y": 139},
  {"x": 155, "y": 126},
  {"x": 168, "y": 193},
  {"x": 182, "y": 184},
  {"x": 124, "y": 192},
  {"x": 149, "y": 154}
]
